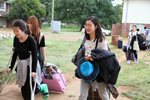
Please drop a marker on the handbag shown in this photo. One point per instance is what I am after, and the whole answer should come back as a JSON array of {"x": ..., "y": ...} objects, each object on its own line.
[
  {"x": 80, "y": 53},
  {"x": 136, "y": 45}
]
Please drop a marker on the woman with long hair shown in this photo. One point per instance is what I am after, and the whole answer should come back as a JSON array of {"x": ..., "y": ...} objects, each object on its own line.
[
  {"x": 93, "y": 33},
  {"x": 32, "y": 21}
]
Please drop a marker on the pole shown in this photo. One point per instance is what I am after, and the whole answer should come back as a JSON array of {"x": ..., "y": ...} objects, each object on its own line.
[
  {"x": 52, "y": 16},
  {"x": 126, "y": 19}
]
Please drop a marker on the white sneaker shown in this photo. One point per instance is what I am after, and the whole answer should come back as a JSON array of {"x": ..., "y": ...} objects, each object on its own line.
[
  {"x": 128, "y": 62},
  {"x": 137, "y": 61}
]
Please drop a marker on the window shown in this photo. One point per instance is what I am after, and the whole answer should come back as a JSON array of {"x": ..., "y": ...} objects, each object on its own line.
[{"x": 1, "y": 5}]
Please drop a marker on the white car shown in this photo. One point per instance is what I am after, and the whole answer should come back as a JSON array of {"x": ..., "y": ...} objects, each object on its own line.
[{"x": 105, "y": 32}]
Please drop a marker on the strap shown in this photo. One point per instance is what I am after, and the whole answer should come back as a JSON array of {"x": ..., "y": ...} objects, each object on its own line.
[
  {"x": 83, "y": 41},
  {"x": 40, "y": 36},
  {"x": 96, "y": 43},
  {"x": 136, "y": 37}
]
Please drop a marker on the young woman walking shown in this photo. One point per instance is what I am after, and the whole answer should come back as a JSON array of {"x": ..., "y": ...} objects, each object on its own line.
[{"x": 93, "y": 33}]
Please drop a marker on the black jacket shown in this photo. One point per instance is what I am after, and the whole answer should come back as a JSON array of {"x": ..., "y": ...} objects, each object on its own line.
[
  {"x": 109, "y": 66},
  {"x": 140, "y": 42}
]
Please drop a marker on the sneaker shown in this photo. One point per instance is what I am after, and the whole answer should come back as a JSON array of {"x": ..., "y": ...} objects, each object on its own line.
[
  {"x": 44, "y": 91},
  {"x": 137, "y": 61},
  {"x": 128, "y": 62}
]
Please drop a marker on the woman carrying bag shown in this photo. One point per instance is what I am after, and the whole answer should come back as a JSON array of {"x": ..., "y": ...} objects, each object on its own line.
[
  {"x": 133, "y": 46},
  {"x": 32, "y": 21},
  {"x": 93, "y": 33}
]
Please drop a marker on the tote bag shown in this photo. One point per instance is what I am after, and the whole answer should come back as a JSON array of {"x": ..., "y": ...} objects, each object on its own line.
[{"x": 136, "y": 45}]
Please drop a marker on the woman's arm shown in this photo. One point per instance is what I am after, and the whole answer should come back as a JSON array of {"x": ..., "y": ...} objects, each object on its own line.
[
  {"x": 33, "y": 48},
  {"x": 43, "y": 55},
  {"x": 103, "y": 45},
  {"x": 42, "y": 47},
  {"x": 14, "y": 56}
]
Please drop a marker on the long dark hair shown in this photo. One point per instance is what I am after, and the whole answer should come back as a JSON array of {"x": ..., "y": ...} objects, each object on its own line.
[
  {"x": 22, "y": 25},
  {"x": 98, "y": 34}
]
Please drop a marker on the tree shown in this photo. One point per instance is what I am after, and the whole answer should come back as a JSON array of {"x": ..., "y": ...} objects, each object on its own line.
[
  {"x": 46, "y": 3},
  {"x": 119, "y": 10},
  {"x": 22, "y": 9},
  {"x": 77, "y": 11}
]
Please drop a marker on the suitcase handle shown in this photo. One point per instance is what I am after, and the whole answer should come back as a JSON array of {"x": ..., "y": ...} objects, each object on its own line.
[
  {"x": 61, "y": 78},
  {"x": 46, "y": 77}
]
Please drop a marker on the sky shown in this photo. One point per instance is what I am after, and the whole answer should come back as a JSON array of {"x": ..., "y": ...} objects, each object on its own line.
[{"x": 116, "y": 2}]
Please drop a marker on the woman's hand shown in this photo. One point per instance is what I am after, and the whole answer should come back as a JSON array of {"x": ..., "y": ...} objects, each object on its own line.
[
  {"x": 44, "y": 63},
  {"x": 8, "y": 70},
  {"x": 33, "y": 74},
  {"x": 91, "y": 58}
]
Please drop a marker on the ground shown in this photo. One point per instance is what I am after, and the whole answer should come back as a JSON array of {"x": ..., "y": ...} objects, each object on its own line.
[{"x": 12, "y": 91}]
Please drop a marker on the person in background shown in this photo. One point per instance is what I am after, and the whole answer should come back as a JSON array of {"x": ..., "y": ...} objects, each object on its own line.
[
  {"x": 129, "y": 47},
  {"x": 32, "y": 21},
  {"x": 138, "y": 30},
  {"x": 145, "y": 30}
]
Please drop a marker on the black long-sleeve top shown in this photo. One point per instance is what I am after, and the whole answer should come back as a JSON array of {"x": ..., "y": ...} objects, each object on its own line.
[{"x": 22, "y": 51}]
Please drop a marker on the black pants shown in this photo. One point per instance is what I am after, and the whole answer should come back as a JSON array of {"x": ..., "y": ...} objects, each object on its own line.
[
  {"x": 130, "y": 51},
  {"x": 25, "y": 90}
]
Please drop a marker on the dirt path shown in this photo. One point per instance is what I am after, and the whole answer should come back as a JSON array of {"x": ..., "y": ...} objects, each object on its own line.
[{"x": 12, "y": 91}]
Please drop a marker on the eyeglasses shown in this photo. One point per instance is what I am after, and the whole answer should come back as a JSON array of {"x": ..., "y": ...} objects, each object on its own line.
[{"x": 88, "y": 26}]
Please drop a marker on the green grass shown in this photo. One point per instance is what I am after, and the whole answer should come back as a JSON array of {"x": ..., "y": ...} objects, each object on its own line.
[
  {"x": 67, "y": 29},
  {"x": 5, "y": 52},
  {"x": 60, "y": 52},
  {"x": 136, "y": 76}
]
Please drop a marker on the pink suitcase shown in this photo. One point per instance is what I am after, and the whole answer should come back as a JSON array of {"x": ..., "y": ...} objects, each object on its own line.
[{"x": 56, "y": 82}]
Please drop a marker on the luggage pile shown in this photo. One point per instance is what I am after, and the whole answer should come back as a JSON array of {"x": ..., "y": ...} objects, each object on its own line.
[{"x": 53, "y": 77}]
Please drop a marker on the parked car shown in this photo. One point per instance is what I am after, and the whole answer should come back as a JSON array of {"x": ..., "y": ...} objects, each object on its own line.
[{"x": 105, "y": 32}]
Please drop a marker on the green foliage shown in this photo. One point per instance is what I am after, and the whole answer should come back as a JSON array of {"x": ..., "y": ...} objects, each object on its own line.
[
  {"x": 46, "y": 3},
  {"x": 76, "y": 11},
  {"x": 22, "y": 9},
  {"x": 136, "y": 76},
  {"x": 118, "y": 11}
]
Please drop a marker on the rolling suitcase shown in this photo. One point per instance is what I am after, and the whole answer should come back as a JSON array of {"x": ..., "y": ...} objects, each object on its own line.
[
  {"x": 120, "y": 44},
  {"x": 55, "y": 81}
]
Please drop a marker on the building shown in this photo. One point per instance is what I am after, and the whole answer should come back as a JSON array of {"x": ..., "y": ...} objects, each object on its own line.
[
  {"x": 4, "y": 10},
  {"x": 135, "y": 12}
]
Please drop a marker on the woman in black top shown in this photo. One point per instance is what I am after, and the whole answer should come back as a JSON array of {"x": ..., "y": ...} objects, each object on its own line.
[
  {"x": 32, "y": 21},
  {"x": 23, "y": 43}
]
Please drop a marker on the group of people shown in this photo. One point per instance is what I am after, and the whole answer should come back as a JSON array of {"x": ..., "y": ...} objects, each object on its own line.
[
  {"x": 143, "y": 44},
  {"x": 28, "y": 38}
]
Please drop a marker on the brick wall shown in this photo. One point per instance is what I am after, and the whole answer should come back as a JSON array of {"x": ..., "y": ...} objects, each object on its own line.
[
  {"x": 116, "y": 29},
  {"x": 115, "y": 33},
  {"x": 123, "y": 29},
  {"x": 147, "y": 25}
]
